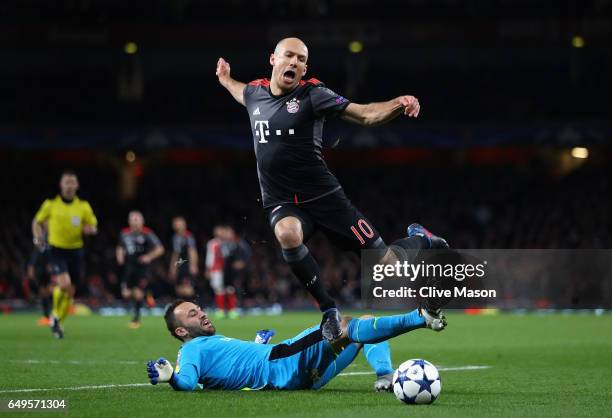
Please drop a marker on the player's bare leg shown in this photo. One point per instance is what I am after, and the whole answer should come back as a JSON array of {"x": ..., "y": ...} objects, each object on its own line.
[{"x": 290, "y": 235}]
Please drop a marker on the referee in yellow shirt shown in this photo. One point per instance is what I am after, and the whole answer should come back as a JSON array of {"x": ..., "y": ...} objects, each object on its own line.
[{"x": 67, "y": 218}]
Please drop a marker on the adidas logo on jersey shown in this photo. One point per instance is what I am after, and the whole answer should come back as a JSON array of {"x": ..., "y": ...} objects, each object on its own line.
[{"x": 256, "y": 112}]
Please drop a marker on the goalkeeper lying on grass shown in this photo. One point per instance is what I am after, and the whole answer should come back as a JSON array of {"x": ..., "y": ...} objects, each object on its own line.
[{"x": 306, "y": 361}]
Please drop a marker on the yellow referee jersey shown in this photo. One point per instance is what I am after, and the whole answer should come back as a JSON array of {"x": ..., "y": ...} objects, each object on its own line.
[{"x": 65, "y": 221}]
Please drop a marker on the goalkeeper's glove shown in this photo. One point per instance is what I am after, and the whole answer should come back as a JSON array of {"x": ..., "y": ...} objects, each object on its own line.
[{"x": 159, "y": 371}]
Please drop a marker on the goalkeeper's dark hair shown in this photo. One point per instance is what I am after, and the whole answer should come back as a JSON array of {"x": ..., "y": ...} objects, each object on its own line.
[{"x": 170, "y": 318}]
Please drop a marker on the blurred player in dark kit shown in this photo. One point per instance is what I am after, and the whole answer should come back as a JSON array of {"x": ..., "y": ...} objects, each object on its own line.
[
  {"x": 38, "y": 274},
  {"x": 138, "y": 246},
  {"x": 184, "y": 260},
  {"x": 236, "y": 254}
]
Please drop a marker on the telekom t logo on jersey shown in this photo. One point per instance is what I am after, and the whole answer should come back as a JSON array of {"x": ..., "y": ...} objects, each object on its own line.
[{"x": 262, "y": 131}]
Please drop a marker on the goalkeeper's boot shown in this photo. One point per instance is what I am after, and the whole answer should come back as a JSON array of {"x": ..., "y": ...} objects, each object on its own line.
[
  {"x": 434, "y": 319},
  {"x": 384, "y": 383},
  {"x": 56, "y": 328},
  {"x": 264, "y": 336},
  {"x": 435, "y": 242},
  {"x": 330, "y": 325}
]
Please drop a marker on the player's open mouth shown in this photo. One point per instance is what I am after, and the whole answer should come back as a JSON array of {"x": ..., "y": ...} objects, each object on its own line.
[
  {"x": 289, "y": 76},
  {"x": 205, "y": 323}
]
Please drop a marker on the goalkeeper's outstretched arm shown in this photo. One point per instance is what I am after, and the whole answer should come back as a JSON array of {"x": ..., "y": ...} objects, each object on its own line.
[{"x": 161, "y": 371}]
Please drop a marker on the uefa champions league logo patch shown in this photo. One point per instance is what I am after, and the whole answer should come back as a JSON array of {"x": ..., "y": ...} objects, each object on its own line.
[{"x": 293, "y": 105}]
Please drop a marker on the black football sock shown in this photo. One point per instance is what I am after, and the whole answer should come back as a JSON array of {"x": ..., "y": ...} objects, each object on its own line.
[
  {"x": 407, "y": 249},
  {"x": 137, "y": 306},
  {"x": 305, "y": 267}
]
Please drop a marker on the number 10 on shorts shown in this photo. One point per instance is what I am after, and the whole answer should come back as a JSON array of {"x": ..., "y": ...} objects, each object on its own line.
[{"x": 364, "y": 230}]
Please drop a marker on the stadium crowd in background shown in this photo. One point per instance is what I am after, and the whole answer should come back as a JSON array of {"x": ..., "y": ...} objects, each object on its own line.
[{"x": 475, "y": 207}]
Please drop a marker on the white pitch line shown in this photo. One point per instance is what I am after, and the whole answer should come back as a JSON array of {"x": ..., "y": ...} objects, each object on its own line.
[
  {"x": 90, "y": 362},
  {"x": 460, "y": 368},
  {"x": 442, "y": 369},
  {"x": 75, "y": 388}
]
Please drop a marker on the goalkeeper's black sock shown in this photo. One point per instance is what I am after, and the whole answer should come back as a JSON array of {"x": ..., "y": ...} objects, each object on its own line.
[
  {"x": 305, "y": 267},
  {"x": 137, "y": 307}
]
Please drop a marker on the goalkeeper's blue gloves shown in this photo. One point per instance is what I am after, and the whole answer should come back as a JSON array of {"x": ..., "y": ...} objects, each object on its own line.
[{"x": 159, "y": 371}]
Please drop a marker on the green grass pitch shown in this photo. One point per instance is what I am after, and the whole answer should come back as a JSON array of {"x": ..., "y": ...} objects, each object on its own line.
[{"x": 540, "y": 365}]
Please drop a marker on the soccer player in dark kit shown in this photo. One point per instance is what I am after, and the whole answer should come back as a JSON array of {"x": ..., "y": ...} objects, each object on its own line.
[
  {"x": 299, "y": 192},
  {"x": 138, "y": 246},
  {"x": 184, "y": 259}
]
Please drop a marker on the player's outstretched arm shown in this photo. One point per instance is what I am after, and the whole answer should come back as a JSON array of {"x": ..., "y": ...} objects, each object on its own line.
[
  {"x": 378, "y": 113},
  {"x": 236, "y": 88},
  {"x": 161, "y": 371}
]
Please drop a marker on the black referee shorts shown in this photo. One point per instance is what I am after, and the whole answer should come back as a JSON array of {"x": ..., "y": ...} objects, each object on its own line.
[
  {"x": 66, "y": 261},
  {"x": 336, "y": 217}
]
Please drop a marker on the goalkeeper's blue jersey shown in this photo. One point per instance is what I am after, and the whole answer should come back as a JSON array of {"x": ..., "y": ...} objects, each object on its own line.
[{"x": 219, "y": 362}]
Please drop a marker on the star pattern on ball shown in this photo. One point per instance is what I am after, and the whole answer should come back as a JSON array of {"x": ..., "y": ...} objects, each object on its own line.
[
  {"x": 424, "y": 384},
  {"x": 419, "y": 363}
]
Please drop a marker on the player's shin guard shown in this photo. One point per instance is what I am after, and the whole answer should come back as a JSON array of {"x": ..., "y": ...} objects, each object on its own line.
[
  {"x": 379, "y": 357},
  {"x": 345, "y": 358},
  {"x": 375, "y": 330},
  {"x": 305, "y": 267}
]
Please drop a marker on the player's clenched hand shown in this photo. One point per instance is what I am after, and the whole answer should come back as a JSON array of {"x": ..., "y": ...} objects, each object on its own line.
[
  {"x": 223, "y": 70},
  {"x": 411, "y": 106},
  {"x": 159, "y": 371}
]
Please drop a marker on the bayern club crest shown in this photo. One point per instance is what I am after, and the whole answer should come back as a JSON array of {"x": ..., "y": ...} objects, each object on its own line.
[{"x": 293, "y": 105}]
